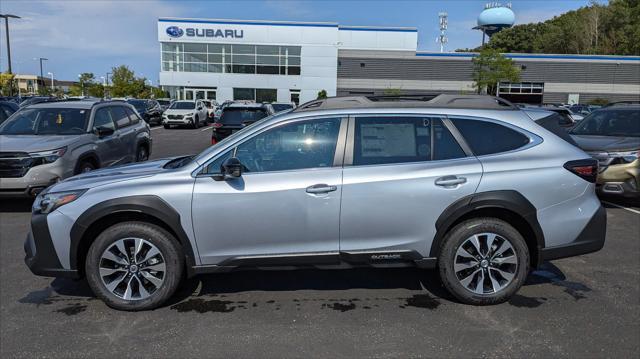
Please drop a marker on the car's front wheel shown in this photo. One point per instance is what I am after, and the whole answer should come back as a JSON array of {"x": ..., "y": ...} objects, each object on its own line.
[
  {"x": 134, "y": 266},
  {"x": 483, "y": 261}
]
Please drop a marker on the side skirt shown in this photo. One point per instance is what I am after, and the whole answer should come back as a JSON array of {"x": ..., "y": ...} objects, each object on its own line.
[{"x": 324, "y": 260}]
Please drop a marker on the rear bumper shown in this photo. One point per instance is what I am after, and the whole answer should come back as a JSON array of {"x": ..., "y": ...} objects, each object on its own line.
[
  {"x": 40, "y": 255},
  {"x": 591, "y": 239}
]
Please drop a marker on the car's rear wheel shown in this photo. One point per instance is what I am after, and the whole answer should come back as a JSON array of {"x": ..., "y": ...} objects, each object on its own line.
[
  {"x": 134, "y": 266},
  {"x": 483, "y": 261}
]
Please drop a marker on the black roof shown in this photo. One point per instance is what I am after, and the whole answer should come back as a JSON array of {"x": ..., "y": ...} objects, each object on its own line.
[{"x": 483, "y": 102}]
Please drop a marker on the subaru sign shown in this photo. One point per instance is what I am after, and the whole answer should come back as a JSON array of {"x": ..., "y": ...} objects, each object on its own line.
[{"x": 174, "y": 31}]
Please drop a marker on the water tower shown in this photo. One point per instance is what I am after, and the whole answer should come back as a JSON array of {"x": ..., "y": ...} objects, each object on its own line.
[{"x": 494, "y": 18}]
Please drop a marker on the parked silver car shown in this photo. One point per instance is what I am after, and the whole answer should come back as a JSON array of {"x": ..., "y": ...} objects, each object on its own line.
[
  {"x": 468, "y": 184},
  {"x": 47, "y": 142}
]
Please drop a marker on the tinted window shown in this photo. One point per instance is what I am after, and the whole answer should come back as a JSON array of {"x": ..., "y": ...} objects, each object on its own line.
[
  {"x": 239, "y": 115},
  {"x": 140, "y": 105},
  {"x": 299, "y": 145},
  {"x": 133, "y": 117},
  {"x": 120, "y": 116},
  {"x": 102, "y": 118},
  {"x": 380, "y": 140},
  {"x": 622, "y": 122},
  {"x": 46, "y": 121},
  {"x": 183, "y": 105},
  {"x": 488, "y": 137},
  {"x": 277, "y": 107}
]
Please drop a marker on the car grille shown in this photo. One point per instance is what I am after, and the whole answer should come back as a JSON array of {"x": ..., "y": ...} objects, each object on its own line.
[
  {"x": 15, "y": 164},
  {"x": 175, "y": 117}
]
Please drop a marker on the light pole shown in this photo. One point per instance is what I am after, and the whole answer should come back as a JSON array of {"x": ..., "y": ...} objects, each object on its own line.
[
  {"x": 81, "y": 85},
  {"x": 6, "y": 27},
  {"x": 51, "y": 74},
  {"x": 41, "y": 73}
]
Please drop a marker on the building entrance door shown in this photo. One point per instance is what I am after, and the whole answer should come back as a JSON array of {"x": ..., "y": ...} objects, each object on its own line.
[{"x": 199, "y": 94}]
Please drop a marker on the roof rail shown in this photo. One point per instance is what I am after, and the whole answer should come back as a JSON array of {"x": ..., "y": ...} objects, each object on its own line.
[{"x": 409, "y": 101}]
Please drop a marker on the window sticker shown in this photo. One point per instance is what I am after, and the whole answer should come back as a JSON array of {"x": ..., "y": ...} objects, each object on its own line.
[{"x": 388, "y": 140}]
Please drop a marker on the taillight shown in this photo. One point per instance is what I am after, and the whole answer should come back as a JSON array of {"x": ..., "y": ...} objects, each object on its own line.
[
  {"x": 585, "y": 169},
  {"x": 213, "y": 141},
  {"x": 217, "y": 125}
]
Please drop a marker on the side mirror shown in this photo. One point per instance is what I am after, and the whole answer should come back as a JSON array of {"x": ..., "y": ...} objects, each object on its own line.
[
  {"x": 104, "y": 131},
  {"x": 231, "y": 168}
]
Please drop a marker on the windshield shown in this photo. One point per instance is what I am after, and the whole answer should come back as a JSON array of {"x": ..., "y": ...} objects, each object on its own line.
[
  {"x": 239, "y": 115},
  {"x": 277, "y": 107},
  {"x": 183, "y": 105},
  {"x": 46, "y": 121},
  {"x": 623, "y": 123},
  {"x": 140, "y": 105},
  {"x": 164, "y": 102}
]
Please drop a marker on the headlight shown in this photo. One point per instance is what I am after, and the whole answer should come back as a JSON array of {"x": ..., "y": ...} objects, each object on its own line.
[
  {"x": 48, "y": 156},
  {"x": 48, "y": 202},
  {"x": 627, "y": 157}
]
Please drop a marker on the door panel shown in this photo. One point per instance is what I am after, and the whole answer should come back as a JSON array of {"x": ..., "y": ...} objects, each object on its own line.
[
  {"x": 266, "y": 214},
  {"x": 108, "y": 147},
  {"x": 287, "y": 201},
  {"x": 395, "y": 207}
]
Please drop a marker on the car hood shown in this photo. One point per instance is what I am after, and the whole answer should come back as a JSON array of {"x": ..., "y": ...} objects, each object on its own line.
[
  {"x": 111, "y": 174},
  {"x": 178, "y": 112},
  {"x": 606, "y": 143},
  {"x": 33, "y": 143}
]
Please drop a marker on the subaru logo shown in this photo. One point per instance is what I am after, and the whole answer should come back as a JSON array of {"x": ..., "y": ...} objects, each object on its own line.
[{"x": 174, "y": 31}]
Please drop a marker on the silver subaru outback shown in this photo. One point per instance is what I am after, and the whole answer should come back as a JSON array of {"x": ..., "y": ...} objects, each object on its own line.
[
  {"x": 470, "y": 185},
  {"x": 44, "y": 143}
]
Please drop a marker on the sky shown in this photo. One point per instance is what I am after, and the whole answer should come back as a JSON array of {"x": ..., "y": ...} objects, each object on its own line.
[{"x": 94, "y": 36}]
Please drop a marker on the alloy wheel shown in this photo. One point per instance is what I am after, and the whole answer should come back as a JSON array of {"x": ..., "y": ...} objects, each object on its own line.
[
  {"x": 132, "y": 268},
  {"x": 485, "y": 263}
]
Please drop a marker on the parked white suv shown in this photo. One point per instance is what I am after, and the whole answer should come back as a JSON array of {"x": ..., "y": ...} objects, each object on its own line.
[{"x": 185, "y": 113}]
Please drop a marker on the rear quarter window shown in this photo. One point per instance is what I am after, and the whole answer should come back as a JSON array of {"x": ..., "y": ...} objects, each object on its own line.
[{"x": 487, "y": 138}]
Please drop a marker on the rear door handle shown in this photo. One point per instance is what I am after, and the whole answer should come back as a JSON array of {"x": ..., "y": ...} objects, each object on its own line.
[
  {"x": 321, "y": 188},
  {"x": 448, "y": 181}
]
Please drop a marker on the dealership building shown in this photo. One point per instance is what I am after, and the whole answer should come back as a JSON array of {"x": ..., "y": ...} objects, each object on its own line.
[{"x": 292, "y": 61}]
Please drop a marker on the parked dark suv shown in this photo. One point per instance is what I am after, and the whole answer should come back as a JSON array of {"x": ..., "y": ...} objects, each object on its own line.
[
  {"x": 236, "y": 116},
  {"x": 149, "y": 110}
]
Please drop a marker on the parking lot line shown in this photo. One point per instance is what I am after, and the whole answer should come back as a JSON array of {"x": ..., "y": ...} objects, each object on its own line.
[
  {"x": 206, "y": 128},
  {"x": 156, "y": 128},
  {"x": 623, "y": 207}
]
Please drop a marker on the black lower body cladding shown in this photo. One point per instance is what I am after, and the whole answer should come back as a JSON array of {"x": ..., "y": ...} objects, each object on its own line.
[{"x": 41, "y": 256}]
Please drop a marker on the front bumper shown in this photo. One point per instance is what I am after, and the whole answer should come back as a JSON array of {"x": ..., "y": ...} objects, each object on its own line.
[
  {"x": 175, "y": 121},
  {"x": 591, "y": 239},
  {"x": 35, "y": 180},
  {"x": 40, "y": 255}
]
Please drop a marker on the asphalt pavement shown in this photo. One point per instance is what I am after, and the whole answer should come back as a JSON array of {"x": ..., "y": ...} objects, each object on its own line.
[{"x": 585, "y": 306}]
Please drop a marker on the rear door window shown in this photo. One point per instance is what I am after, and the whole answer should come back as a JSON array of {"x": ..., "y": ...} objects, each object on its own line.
[
  {"x": 487, "y": 138},
  {"x": 120, "y": 116},
  {"x": 133, "y": 116},
  {"x": 399, "y": 139}
]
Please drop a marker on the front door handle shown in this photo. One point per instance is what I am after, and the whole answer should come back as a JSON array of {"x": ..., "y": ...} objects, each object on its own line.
[
  {"x": 449, "y": 181},
  {"x": 321, "y": 188}
]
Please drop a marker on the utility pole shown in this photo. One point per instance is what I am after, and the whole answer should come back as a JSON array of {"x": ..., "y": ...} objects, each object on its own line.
[{"x": 6, "y": 28}]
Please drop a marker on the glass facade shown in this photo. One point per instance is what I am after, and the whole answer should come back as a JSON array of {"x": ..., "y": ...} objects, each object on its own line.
[{"x": 228, "y": 58}]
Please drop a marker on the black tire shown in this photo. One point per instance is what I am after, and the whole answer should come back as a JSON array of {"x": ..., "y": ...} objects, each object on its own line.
[
  {"x": 167, "y": 126},
  {"x": 196, "y": 123},
  {"x": 142, "y": 154},
  {"x": 458, "y": 235},
  {"x": 84, "y": 166},
  {"x": 164, "y": 242}
]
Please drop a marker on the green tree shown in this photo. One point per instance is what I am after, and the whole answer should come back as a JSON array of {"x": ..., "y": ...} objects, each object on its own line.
[
  {"x": 7, "y": 84},
  {"x": 322, "y": 94},
  {"x": 125, "y": 83},
  {"x": 490, "y": 67}
]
